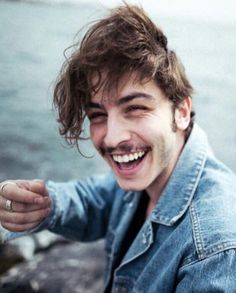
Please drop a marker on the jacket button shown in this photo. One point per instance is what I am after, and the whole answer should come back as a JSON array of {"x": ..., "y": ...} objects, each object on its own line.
[{"x": 144, "y": 239}]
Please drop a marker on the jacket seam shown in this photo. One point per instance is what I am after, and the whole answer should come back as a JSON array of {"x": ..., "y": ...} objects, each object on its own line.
[
  {"x": 223, "y": 246},
  {"x": 199, "y": 243},
  {"x": 208, "y": 256}
]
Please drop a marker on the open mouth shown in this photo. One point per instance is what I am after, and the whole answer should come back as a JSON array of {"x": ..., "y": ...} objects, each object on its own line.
[{"x": 129, "y": 161}]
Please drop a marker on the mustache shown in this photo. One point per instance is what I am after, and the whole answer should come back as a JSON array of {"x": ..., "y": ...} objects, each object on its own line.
[{"x": 124, "y": 148}]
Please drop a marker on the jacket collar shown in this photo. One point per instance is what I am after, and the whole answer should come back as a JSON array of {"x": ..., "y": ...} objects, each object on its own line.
[{"x": 183, "y": 182}]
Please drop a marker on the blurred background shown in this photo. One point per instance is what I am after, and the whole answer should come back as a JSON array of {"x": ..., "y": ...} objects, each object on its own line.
[{"x": 34, "y": 35}]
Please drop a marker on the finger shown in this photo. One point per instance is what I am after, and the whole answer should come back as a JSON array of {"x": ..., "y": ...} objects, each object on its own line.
[
  {"x": 24, "y": 218},
  {"x": 4, "y": 184},
  {"x": 24, "y": 184},
  {"x": 19, "y": 227},
  {"x": 25, "y": 207},
  {"x": 17, "y": 194},
  {"x": 38, "y": 186}
]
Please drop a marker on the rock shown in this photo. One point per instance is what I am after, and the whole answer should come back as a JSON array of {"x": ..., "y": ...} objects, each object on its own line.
[
  {"x": 9, "y": 257},
  {"x": 27, "y": 246},
  {"x": 71, "y": 267}
]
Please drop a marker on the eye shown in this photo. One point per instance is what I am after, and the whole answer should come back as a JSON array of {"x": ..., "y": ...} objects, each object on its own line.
[
  {"x": 136, "y": 108},
  {"x": 97, "y": 117}
]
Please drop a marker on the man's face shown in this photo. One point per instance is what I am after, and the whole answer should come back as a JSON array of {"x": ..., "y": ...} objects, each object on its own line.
[{"x": 132, "y": 128}]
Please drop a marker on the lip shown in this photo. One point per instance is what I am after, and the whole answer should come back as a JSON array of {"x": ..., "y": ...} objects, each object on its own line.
[{"x": 127, "y": 172}]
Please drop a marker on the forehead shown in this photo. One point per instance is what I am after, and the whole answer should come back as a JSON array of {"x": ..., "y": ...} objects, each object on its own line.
[{"x": 127, "y": 85}]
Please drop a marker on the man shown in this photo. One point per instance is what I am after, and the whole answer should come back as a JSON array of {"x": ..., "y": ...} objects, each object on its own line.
[{"x": 167, "y": 208}]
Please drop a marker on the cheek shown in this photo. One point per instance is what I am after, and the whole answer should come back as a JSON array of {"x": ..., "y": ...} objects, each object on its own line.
[
  {"x": 96, "y": 134},
  {"x": 158, "y": 133}
]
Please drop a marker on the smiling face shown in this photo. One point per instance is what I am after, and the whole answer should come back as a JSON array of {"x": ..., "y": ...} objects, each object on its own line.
[{"x": 132, "y": 128}]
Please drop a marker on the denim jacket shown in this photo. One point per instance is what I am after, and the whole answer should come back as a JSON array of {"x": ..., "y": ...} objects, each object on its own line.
[{"x": 187, "y": 244}]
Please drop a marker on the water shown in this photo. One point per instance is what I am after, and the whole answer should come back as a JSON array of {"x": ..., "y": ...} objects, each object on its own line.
[{"x": 33, "y": 37}]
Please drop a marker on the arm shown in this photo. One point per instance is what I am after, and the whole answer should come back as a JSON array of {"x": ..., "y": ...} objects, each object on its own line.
[
  {"x": 79, "y": 210},
  {"x": 213, "y": 274}
]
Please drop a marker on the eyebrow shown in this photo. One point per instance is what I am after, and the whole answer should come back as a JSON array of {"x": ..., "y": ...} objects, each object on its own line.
[
  {"x": 90, "y": 105},
  {"x": 121, "y": 101},
  {"x": 132, "y": 96}
]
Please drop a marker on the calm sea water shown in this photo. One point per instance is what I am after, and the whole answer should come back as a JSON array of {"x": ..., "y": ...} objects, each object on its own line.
[{"x": 33, "y": 37}]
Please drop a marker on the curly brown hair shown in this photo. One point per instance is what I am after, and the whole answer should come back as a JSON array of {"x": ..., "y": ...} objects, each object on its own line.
[{"x": 125, "y": 41}]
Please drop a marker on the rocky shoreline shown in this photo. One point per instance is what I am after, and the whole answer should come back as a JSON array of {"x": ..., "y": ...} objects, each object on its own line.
[{"x": 61, "y": 267}]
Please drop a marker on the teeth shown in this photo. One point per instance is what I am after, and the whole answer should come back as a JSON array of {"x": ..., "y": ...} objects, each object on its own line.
[{"x": 128, "y": 158}]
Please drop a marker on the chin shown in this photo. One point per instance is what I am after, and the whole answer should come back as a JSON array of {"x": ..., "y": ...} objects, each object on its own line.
[{"x": 130, "y": 185}]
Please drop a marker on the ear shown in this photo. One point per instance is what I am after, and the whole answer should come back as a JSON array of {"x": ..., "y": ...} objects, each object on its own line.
[{"x": 182, "y": 114}]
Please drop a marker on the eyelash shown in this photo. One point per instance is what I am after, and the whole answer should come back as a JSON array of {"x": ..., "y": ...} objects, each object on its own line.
[
  {"x": 96, "y": 115},
  {"x": 136, "y": 107},
  {"x": 132, "y": 108}
]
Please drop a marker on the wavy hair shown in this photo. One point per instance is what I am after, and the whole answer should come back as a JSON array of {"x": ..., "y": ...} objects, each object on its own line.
[{"x": 123, "y": 42}]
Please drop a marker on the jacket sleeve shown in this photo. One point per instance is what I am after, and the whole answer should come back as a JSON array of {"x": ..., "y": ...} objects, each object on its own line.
[
  {"x": 213, "y": 274},
  {"x": 80, "y": 209}
]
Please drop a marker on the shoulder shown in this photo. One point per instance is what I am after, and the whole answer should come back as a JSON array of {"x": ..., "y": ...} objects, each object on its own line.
[
  {"x": 213, "y": 209},
  {"x": 104, "y": 182}
]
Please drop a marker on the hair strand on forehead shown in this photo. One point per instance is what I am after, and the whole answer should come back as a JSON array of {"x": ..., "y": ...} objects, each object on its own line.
[{"x": 126, "y": 41}]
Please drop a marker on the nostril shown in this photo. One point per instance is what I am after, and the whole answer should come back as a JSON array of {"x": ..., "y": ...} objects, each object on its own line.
[{"x": 116, "y": 137}]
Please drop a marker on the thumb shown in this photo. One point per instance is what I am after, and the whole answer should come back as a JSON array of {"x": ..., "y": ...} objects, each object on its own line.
[{"x": 38, "y": 186}]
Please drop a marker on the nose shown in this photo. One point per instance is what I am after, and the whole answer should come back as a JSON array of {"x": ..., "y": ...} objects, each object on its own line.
[{"x": 117, "y": 131}]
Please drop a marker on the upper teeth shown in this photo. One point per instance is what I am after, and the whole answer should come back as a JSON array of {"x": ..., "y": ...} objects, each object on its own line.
[{"x": 127, "y": 158}]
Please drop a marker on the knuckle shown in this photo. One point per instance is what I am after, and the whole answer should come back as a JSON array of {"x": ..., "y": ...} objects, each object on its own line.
[
  {"x": 3, "y": 224},
  {"x": 8, "y": 226},
  {"x": 31, "y": 217},
  {"x": 18, "y": 221},
  {"x": 4, "y": 191},
  {"x": 16, "y": 218},
  {"x": 22, "y": 218},
  {"x": 21, "y": 207},
  {"x": 42, "y": 215},
  {"x": 3, "y": 216},
  {"x": 1, "y": 202}
]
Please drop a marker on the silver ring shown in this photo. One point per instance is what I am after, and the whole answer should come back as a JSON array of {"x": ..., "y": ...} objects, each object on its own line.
[
  {"x": 5, "y": 183},
  {"x": 8, "y": 205}
]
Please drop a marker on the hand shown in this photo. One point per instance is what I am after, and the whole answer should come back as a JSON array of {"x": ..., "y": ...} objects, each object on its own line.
[{"x": 23, "y": 204}]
